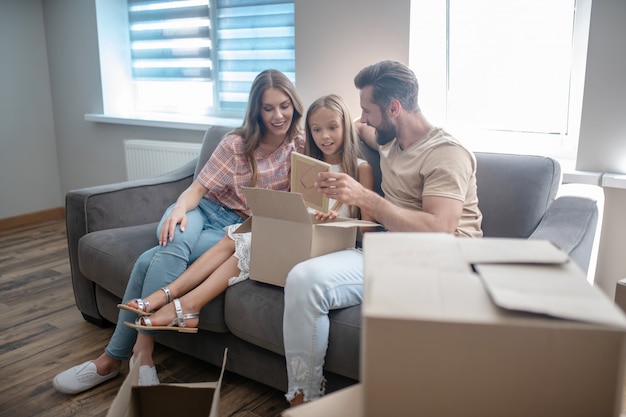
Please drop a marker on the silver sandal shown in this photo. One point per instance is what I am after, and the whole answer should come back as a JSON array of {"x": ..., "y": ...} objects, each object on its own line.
[
  {"x": 178, "y": 324},
  {"x": 143, "y": 307}
]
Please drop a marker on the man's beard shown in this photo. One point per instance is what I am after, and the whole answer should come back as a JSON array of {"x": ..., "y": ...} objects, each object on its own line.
[{"x": 386, "y": 132}]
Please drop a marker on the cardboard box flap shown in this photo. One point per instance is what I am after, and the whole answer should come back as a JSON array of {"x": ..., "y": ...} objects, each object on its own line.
[
  {"x": 274, "y": 204},
  {"x": 246, "y": 226},
  {"x": 511, "y": 251},
  {"x": 427, "y": 277},
  {"x": 345, "y": 222},
  {"x": 199, "y": 399},
  {"x": 559, "y": 291}
]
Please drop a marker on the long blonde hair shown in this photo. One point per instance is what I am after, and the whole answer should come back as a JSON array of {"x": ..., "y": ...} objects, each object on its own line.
[
  {"x": 350, "y": 151},
  {"x": 253, "y": 128}
]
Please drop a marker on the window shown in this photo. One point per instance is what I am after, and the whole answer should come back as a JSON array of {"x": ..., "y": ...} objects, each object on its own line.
[
  {"x": 503, "y": 72},
  {"x": 199, "y": 57}
]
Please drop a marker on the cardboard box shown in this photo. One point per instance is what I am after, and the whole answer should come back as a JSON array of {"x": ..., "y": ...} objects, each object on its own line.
[
  {"x": 200, "y": 399},
  {"x": 485, "y": 327},
  {"x": 284, "y": 234},
  {"x": 347, "y": 402}
]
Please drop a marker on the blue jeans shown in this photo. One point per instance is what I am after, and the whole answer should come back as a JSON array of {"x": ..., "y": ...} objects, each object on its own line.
[
  {"x": 313, "y": 288},
  {"x": 159, "y": 266}
]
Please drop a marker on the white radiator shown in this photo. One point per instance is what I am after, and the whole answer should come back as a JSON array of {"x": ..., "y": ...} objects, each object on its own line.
[{"x": 149, "y": 158}]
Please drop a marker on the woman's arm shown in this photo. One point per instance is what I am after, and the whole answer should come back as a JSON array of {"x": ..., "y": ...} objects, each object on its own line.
[{"x": 188, "y": 200}]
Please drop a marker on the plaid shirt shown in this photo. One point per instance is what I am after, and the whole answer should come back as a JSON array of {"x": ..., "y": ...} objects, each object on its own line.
[{"x": 227, "y": 170}]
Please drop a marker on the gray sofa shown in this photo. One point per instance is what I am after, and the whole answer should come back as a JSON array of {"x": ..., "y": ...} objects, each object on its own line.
[{"x": 109, "y": 226}]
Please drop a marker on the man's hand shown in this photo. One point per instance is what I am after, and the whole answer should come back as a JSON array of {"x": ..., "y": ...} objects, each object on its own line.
[{"x": 342, "y": 187}]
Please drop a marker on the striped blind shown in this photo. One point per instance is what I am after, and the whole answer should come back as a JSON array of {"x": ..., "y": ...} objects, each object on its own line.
[
  {"x": 170, "y": 39},
  {"x": 226, "y": 42},
  {"x": 252, "y": 36}
]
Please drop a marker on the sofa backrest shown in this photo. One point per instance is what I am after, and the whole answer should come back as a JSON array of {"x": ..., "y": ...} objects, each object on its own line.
[{"x": 514, "y": 191}]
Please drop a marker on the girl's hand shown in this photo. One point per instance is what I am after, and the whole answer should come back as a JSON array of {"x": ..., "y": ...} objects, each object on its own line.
[
  {"x": 177, "y": 216},
  {"x": 331, "y": 215}
]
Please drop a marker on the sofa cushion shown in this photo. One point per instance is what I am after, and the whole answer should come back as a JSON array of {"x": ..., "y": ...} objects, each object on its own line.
[
  {"x": 107, "y": 256},
  {"x": 254, "y": 313}
]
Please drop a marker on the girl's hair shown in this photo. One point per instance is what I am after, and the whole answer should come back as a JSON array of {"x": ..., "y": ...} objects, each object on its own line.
[
  {"x": 253, "y": 128},
  {"x": 350, "y": 151}
]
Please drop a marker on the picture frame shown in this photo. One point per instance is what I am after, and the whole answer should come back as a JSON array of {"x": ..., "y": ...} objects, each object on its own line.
[{"x": 304, "y": 170}]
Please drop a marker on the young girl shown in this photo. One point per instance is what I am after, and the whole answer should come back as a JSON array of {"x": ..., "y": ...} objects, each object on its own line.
[
  {"x": 256, "y": 154},
  {"x": 331, "y": 137}
]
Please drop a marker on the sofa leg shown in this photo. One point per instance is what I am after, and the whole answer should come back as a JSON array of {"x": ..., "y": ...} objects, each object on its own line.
[{"x": 100, "y": 322}]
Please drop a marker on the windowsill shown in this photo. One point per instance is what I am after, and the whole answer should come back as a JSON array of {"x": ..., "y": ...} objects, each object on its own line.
[
  {"x": 602, "y": 179},
  {"x": 166, "y": 121},
  {"x": 568, "y": 166},
  {"x": 573, "y": 176},
  {"x": 614, "y": 181}
]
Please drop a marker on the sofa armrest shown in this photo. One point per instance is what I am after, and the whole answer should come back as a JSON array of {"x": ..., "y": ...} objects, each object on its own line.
[
  {"x": 126, "y": 203},
  {"x": 570, "y": 223},
  {"x": 111, "y": 206}
]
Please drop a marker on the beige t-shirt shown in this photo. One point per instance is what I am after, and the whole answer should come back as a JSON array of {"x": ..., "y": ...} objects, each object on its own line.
[{"x": 438, "y": 166}]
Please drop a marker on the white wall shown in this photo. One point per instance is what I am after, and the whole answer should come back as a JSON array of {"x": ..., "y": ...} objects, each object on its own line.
[
  {"x": 335, "y": 39},
  {"x": 602, "y": 144},
  {"x": 89, "y": 153},
  {"x": 29, "y": 171}
]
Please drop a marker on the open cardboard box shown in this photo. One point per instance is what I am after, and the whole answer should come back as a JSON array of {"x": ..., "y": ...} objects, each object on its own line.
[
  {"x": 485, "y": 327},
  {"x": 284, "y": 234},
  {"x": 200, "y": 399}
]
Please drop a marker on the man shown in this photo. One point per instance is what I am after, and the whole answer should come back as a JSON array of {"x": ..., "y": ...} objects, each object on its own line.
[{"x": 429, "y": 182}]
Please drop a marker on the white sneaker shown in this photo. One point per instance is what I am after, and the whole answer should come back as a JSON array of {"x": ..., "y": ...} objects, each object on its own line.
[
  {"x": 147, "y": 374},
  {"x": 80, "y": 378}
]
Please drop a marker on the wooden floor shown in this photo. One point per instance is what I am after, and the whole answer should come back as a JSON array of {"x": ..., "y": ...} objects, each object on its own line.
[{"x": 43, "y": 333}]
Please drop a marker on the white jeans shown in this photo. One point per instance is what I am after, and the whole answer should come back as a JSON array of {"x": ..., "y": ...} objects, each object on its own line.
[{"x": 313, "y": 288}]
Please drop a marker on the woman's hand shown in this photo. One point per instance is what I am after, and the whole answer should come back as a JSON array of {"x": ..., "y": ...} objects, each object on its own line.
[
  {"x": 177, "y": 216},
  {"x": 188, "y": 200}
]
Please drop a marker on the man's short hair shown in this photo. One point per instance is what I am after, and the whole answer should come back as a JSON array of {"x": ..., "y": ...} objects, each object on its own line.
[{"x": 390, "y": 80}]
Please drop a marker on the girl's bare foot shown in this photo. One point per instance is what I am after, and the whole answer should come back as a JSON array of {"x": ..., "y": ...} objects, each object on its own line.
[{"x": 155, "y": 301}]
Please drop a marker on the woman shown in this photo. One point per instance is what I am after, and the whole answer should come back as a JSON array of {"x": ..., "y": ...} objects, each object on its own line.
[
  {"x": 330, "y": 137},
  {"x": 257, "y": 154}
]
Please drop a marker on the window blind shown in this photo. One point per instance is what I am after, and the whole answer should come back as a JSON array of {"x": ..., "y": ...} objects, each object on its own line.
[
  {"x": 170, "y": 40},
  {"x": 252, "y": 36}
]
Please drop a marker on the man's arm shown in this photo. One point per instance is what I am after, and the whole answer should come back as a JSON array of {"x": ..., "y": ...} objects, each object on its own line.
[{"x": 439, "y": 214}]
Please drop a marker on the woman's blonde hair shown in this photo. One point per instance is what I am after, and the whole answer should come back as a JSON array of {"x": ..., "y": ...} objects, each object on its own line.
[
  {"x": 253, "y": 128},
  {"x": 350, "y": 151}
]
